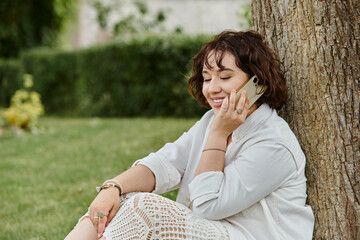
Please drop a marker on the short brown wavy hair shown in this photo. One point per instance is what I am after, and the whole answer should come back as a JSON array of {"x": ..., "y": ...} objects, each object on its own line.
[{"x": 252, "y": 55}]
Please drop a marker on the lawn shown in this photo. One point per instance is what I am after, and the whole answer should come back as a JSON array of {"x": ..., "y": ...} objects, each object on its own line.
[{"x": 48, "y": 179}]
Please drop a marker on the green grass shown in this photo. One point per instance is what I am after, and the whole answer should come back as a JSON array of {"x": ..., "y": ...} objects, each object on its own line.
[{"x": 48, "y": 179}]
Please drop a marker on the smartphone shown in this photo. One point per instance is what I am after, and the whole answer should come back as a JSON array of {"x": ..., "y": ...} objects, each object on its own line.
[{"x": 253, "y": 90}]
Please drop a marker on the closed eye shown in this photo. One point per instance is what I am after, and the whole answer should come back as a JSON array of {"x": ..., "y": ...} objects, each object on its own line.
[{"x": 225, "y": 78}]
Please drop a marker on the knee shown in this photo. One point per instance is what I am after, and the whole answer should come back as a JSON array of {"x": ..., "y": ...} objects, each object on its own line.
[
  {"x": 146, "y": 200},
  {"x": 148, "y": 206},
  {"x": 142, "y": 202},
  {"x": 142, "y": 206}
]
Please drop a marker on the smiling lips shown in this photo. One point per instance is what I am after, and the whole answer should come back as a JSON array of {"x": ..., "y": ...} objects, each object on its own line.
[{"x": 217, "y": 102}]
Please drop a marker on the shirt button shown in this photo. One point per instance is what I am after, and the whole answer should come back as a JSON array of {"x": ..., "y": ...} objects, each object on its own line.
[
  {"x": 238, "y": 138},
  {"x": 188, "y": 199}
]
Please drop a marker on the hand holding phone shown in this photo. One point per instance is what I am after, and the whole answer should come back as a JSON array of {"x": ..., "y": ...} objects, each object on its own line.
[{"x": 253, "y": 90}]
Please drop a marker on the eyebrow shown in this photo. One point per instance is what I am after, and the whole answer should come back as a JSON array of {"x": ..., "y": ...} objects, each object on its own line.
[{"x": 220, "y": 70}]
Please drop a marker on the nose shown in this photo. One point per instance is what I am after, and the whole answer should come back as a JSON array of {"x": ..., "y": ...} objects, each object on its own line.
[{"x": 214, "y": 86}]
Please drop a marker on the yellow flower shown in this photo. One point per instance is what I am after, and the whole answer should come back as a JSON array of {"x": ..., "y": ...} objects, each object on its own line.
[
  {"x": 10, "y": 115},
  {"x": 25, "y": 106}
]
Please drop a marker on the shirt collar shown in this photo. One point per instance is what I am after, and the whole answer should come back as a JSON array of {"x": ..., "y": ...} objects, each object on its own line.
[{"x": 257, "y": 117}]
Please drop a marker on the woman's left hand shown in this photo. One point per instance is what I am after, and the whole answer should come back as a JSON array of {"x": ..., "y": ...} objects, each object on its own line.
[{"x": 231, "y": 115}]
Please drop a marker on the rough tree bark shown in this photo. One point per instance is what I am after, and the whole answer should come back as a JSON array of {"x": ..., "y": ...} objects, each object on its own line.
[{"x": 318, "y": 43}]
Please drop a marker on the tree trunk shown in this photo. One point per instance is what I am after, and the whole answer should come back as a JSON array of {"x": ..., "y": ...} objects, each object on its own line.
[{"x": 318, "y": 43}]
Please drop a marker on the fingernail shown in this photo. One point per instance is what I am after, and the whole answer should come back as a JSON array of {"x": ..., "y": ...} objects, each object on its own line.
[{"x": 99, "y": 235}]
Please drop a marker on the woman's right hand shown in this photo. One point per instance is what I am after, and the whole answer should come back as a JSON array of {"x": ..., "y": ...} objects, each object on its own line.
[{"x": 106, "y": 202}]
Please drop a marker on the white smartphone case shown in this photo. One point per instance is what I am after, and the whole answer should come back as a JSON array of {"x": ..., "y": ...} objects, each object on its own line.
[{"x": 253, "y": 90}]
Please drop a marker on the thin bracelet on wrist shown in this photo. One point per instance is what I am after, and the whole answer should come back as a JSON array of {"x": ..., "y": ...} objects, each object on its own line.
[
  {"x": 117, "y": 183},
  {"x": 110, "y": 183},
  {"x": 214, "y": 149}
]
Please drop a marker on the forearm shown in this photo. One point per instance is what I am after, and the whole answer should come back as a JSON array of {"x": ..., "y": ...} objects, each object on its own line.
[
  {"x": 137, "y": 179},
  {"x": 213, "y": 160}
]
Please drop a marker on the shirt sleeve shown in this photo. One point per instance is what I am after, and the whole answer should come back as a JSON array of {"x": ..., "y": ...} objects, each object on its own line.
[
  {"x": 255, "y": 173},
  {"x": 169, "y": 163}
]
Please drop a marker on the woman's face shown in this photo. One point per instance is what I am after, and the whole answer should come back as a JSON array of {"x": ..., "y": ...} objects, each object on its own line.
[{"x": 218, "y": 83}]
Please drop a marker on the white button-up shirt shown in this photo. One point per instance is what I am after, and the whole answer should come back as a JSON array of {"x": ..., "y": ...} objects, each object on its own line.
[{"x": 260, "y": 194}]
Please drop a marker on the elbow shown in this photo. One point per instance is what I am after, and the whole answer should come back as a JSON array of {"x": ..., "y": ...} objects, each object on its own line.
[{"x": 208, "y": 210}]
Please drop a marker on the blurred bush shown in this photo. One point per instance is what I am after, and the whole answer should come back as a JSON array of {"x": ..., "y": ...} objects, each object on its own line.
[
  {"x": 10, "y": 80},
  {"x": 138, "y": 77},
  {"x": 56, "y": 76},
  {"x": 31, "y": 23}
]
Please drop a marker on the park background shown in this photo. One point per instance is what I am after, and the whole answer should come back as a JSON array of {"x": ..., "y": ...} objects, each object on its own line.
[{"x": 88, "y": 87}]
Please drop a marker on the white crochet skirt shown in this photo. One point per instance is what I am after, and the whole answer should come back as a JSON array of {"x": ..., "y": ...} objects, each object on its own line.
[{"x": 150, "y": 216}]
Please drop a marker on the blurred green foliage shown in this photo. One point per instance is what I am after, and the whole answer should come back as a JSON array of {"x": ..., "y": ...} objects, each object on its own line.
[
  {"x": 31, "y": 23},
  {"x": 55, "y": 74},
  {"x": 244, "y": 15},
  {"x": 138, "y": 77},
  {"x": 138, "y": 20},
  {"x": 10, "y": 80}
]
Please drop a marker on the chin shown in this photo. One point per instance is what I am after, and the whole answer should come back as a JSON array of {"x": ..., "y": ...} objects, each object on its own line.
[{"x": 216, "y": 110}]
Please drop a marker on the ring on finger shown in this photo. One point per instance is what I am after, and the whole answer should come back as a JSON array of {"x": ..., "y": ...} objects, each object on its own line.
[
  {"x": 223, "y": 109},
  {"x": 101, "y": 215},
  {"x": 239, "y": 111}
]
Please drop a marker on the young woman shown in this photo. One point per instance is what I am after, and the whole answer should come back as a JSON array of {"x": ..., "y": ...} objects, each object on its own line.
[{"x": 239, "y": 170}]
